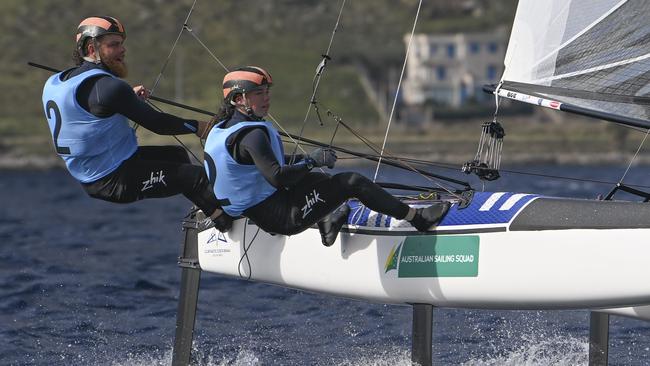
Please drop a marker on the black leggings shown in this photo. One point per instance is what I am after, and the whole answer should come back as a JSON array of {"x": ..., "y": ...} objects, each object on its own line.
[
  {"x": 155, "y": 172},
  {"x": 290, "y": 211}
]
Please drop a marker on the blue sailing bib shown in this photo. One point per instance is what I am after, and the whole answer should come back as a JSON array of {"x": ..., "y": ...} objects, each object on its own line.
[
  {"x": 91, "y": 147},
  {"x": 243, "y": 185}
]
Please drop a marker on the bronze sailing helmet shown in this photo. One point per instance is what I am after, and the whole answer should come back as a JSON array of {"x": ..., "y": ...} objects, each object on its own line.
[
  {"x": 244, "y": 80},
  {"x": 96, "y": 26}
]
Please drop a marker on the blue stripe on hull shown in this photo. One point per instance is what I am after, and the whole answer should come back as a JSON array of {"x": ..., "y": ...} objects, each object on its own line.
[{"x": 486, "y": 208}]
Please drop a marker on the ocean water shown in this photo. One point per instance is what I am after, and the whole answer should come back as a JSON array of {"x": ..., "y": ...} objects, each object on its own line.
[{"x": 85, "y": 282}]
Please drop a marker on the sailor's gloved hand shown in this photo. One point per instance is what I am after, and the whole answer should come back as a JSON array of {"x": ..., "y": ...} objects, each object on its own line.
[
  {"x": 322, "y": 157},
  {"x": 223, "y": 222},
  {"x": 142, "y": 92}
]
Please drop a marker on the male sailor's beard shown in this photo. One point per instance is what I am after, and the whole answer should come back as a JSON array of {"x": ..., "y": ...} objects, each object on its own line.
[{"x": 118, "y": 68}]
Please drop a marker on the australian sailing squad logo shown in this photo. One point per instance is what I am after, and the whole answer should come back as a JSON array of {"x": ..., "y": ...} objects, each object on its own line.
[
  {"x": 393, "y": 257},
  {"x": 435, "y": 256}
]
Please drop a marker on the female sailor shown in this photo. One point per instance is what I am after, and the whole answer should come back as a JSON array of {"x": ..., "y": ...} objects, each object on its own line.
[{"x": 252, "y": 177}]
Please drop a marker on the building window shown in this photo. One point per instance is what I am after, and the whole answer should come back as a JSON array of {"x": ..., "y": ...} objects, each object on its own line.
[
  {"x": 441, "y": 72},
  {"x": 433, "y": 49},
  {"x": 451, "y": 50},
  {"x": 474, "y": 48},
  {"x": 491, "y": 72},
  {"x": 493, "y": 47}
]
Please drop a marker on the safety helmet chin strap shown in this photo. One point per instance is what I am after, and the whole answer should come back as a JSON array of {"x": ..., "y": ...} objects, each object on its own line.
[
  {"x": 96, "y": 60},
  {"x": 248, "y": 111}
]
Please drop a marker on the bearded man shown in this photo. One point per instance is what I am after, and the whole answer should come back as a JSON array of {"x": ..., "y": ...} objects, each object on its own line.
[{"x": 88, "y": 108}]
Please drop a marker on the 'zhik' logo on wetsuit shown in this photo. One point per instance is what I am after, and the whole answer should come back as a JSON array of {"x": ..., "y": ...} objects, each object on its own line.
[
  {"x": 155, "y": 178},
  {"x": 312, "y": 199}
]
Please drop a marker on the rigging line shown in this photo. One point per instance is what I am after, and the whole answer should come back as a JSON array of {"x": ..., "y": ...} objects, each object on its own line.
[
  {"x": 634, "y": 157},
  {"x": 174, "y": 136},
  {"x": 162, "y": 70},
  {"x": 452, "y": 166},
  {"x": 398, "y": 162},
  {"x": 399, "y": 84},
  {"x": 551, "y": 176},
  {"x": 245, "y": 254},
  {"x": 191, "y": 32},
  {"x": 319, "y": 73},
  {"x": 394, "y": 160},
  {"x": 405, "y": 165},
  {"x": 208, "y": 113},
  {"x": 228, "y": 70}
]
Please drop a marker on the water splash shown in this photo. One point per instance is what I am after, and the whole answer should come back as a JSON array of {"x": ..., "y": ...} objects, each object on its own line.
[
  {"x": 244, "y": 357},
  {"x": 559, "y": 350},
  {"x": 389, "y": 357}
]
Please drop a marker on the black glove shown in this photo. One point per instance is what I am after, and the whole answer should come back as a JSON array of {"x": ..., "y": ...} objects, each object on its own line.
[
  {"x": 223, "y": 222},
  {"x": 322, "y": 157}
]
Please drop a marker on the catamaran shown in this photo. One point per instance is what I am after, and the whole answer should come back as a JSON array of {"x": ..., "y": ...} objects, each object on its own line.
[
  {"x": 497, "y": 250},
  {"x": 493, "y": 250}
]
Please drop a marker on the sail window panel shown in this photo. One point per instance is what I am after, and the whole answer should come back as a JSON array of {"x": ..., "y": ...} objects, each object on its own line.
[
  {"x": 624, "y": 35},
  {"x": 624, "y": 80},
  {"x": 621, "y": 90},
  {"x": 583, "y": 13},
  {"x": 543, "y": 30}
]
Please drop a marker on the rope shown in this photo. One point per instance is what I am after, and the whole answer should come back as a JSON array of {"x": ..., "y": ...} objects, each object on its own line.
[
  {"x": 271, "y": 117},
  {"x": 245, "y": 254},
  {"x": 317, "y": 77},
  {"x": 187, "y": 28},
  {"x": 384, "y": 152},
  {"x": 162, "y": 70},
  {"x": 399, "y": 84},
  {"x": 634, "y": 157}
]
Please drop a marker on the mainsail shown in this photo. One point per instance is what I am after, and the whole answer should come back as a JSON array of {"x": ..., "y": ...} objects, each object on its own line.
[{"x": 583, "y": 56}]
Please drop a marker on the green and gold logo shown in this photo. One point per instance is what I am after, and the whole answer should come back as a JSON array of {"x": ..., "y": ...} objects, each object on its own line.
[
  {"x": 393, "y": 257},
  {"x": 435, "y": 256}
]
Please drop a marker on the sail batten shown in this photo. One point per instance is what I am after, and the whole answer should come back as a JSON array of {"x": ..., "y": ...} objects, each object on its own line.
[
  {"x": 591, "y": 70},
  {"x": 591, "y": 54}
]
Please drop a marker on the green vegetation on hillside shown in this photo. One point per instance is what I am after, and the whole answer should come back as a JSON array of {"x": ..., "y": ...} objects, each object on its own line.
[{"x": 285, "y": 36}]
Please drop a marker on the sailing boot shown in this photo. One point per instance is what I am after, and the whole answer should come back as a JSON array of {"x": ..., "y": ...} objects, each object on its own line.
[
  {"x": 427, "y": 217},
  {"x": 330, "y": 226}
]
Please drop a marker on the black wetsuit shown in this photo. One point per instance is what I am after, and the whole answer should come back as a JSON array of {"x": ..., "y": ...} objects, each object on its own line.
[
  {"x": 152, "y": 171},
  {"x": 303, "y": 197}
]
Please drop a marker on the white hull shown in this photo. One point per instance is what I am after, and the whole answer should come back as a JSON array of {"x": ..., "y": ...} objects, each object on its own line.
[{"x": 534, "y": 269}]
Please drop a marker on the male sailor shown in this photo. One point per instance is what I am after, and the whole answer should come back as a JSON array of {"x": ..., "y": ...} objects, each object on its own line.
[
  {"x": 88, "y": 108},
  {"x": 245, "y": 162}
]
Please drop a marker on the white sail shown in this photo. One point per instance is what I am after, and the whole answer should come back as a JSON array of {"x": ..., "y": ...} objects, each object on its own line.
[{"x": 591, "y": 54}]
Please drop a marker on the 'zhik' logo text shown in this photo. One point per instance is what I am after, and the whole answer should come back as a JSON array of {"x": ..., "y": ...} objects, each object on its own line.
[
  {"x": 312, "y": 199},
  {"x": 155, "y": 178}
]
